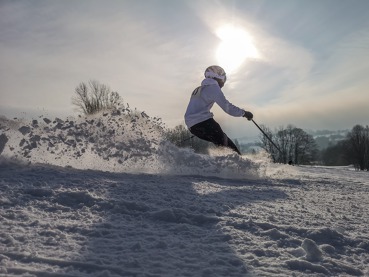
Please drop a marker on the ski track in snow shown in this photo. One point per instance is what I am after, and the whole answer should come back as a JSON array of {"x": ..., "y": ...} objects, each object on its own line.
[{"x": 106, "y": 196}]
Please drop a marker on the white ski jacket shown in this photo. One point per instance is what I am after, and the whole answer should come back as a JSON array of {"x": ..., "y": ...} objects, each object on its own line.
[{"x": 203, "y": 99}]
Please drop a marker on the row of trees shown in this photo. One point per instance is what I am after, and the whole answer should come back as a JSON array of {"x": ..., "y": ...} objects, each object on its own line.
[
  {"x": 300, "y": 148},
  {"x": 354, "y": 149},
  {"x": 296, "y": 146}
]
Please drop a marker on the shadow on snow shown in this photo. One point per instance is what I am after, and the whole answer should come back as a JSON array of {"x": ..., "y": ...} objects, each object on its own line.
[{"x": 129, "y": 224}]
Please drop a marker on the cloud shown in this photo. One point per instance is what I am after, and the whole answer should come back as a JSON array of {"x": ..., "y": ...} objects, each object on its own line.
[
  {"x": 293, "y": 84},
  {"x": 336, "y": 91},
  {"x": 45, "y": 59}
]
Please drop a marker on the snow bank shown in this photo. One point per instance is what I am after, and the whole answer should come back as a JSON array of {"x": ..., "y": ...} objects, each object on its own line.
[{"x": 116, "y": 141}]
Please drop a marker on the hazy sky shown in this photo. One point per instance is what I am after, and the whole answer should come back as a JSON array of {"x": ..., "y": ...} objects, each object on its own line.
[{"x": 301, "y": 62}]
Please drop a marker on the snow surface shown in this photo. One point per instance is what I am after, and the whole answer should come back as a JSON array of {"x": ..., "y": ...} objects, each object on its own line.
[{"x": 108, "y": 196}]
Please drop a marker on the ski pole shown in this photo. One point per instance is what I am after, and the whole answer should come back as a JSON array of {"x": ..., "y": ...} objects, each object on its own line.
[{"x": 267, "y": 137}]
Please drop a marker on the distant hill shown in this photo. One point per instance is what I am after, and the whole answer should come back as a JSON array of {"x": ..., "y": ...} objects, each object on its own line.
[
  {"x": 323, "y": 138},
  {"x": 326, "y": 138}
]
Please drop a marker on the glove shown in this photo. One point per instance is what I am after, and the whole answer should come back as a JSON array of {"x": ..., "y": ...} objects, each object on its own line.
[{"x": 248, "y": 115}]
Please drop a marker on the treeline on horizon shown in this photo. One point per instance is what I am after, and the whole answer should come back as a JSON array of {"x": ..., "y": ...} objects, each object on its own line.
[{"x": 295, "y": 145}]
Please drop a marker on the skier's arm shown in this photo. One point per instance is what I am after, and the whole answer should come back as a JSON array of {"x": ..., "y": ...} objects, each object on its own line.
[{"x": 228, "y": 107}]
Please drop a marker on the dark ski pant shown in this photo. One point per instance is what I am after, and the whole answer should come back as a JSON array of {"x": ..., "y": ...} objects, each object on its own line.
[{"x": 210, "y": 130}]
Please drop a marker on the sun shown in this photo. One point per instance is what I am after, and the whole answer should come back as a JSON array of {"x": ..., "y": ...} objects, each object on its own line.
[{"x": 236, "y": 46}]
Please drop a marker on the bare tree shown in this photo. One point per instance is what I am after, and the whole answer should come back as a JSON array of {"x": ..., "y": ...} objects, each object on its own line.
[
  {"x": 295, "y": 144},
  {"x": 182, "y": 137},
  {"x": 94, "y": 97},
  {"x": 358, "y": 143},
  {"x": 337, "y": 154}
]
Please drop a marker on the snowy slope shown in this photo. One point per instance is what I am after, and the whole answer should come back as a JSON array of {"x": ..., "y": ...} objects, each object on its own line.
[{"x": 80, "y": 200}]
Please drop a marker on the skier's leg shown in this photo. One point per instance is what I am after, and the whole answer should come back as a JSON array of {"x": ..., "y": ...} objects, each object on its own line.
[
  {"x": 206, "y": 130},
  {"x": 210, "y": 130},
  {"x": 230, "y": 144}
]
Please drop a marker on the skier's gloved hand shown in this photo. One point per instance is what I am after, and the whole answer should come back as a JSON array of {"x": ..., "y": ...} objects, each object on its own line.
[{"x": 248, "y": 115}]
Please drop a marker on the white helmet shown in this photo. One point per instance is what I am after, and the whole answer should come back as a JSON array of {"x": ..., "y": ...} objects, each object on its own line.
[{"x": 216, "y": 72}]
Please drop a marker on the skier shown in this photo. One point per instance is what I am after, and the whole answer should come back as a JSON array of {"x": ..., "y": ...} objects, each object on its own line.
[{"x": 198, "y": 117}]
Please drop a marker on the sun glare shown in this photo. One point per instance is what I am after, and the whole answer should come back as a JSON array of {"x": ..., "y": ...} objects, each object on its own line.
[{"x": 235, "y": 47}]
